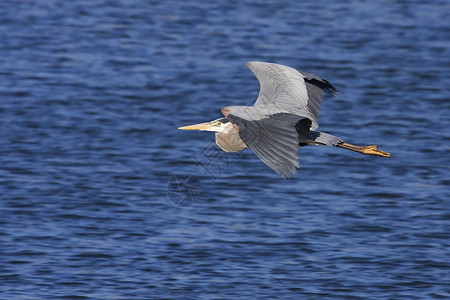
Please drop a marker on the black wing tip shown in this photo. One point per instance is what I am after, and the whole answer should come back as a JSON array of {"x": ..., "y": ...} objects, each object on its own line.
[
  {"x": 329, "y": 88},
  {"x": 323, "y": 84}
]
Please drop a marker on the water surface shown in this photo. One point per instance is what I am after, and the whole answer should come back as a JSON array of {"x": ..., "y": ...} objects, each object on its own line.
[{"x": 101, "y": 197}]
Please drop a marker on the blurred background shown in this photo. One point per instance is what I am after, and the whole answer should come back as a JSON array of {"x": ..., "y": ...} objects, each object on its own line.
[{"x": 101, "y": 197}]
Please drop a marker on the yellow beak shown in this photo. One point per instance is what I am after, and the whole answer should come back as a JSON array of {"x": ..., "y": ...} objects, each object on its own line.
[{"x": 201, "y": 126}]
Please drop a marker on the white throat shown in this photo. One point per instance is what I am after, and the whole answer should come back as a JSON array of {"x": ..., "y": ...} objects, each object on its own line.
[{"x": 225, "y": 127}]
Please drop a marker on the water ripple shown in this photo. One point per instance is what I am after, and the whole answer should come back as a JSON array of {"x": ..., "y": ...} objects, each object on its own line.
[{"x": 102, "y": 197}]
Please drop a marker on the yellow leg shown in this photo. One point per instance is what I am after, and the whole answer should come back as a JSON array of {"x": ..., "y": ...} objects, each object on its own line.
[
  {"x": 369, "y": 150},
  {"x": 373, "y": 150}
]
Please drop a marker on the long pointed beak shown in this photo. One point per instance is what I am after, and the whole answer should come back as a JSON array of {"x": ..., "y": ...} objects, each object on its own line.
[{"x": 201, "y": 126}]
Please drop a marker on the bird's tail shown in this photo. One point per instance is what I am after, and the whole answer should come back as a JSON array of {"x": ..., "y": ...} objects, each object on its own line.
[{"x": 322, "y": 138}]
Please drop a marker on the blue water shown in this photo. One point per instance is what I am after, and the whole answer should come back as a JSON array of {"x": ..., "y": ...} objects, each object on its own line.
[{"x": 101, "y": 197}]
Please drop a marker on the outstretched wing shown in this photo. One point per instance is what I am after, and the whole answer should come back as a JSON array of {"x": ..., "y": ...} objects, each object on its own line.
[
  {"x": 287, "y": 89},
  {"x": 274, "y": 140}
]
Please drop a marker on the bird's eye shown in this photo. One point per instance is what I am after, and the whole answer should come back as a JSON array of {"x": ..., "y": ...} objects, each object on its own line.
[{"x": 219, "y": 123}]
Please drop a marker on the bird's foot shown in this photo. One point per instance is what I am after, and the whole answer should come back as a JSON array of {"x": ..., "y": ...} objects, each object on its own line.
[{"x": 373, "y": 150}]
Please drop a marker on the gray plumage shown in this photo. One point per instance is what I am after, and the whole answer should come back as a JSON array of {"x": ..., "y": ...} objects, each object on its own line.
[
  {"x": 286, "y": 97},
  {"x": 283, "y": 118}
]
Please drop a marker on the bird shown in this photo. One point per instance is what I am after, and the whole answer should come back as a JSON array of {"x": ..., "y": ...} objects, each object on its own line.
[{"x": 283, "y": 119}]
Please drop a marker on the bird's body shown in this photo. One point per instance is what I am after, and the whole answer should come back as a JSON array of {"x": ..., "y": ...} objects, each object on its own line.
[{"x": 283, "y": 118}]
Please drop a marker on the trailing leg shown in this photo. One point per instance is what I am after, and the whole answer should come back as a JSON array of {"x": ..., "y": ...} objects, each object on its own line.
[{"x": 369, "y": 150}]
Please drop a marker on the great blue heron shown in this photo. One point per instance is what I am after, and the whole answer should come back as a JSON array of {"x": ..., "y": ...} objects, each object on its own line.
[{"x": 283, "y": 118}]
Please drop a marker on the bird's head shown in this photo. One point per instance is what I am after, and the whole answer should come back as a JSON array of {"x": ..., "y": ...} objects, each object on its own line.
[{"x": 219, "y": 125}]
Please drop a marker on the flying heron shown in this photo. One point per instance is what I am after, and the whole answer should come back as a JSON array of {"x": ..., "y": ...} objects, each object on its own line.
[{"x": 283, "y": 118}]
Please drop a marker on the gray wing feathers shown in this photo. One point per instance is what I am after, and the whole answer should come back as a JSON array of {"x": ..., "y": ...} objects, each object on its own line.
[
  {"x": 286, "y": 96},
  {"x": 280, "y": 86},
  {"x": 315, "y": 86},
  {"x": 273, "y": 140},
  {"x": 289, "y": 90}
]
